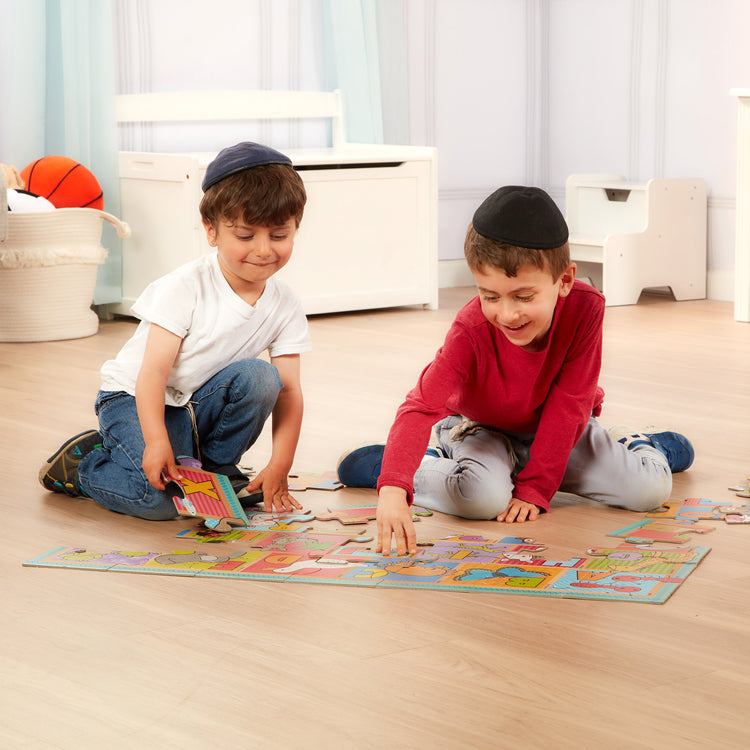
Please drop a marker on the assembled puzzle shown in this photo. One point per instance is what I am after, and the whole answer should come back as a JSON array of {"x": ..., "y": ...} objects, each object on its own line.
[
  {"x": 654, "y": 557},
  {"x": 286, "y": 547}
]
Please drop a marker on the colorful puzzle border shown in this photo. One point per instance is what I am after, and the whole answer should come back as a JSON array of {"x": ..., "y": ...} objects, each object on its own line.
[{"x": 285, "y": 547}]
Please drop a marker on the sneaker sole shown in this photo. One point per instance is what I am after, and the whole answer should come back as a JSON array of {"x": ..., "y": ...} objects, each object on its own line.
[{"x": 62, "y": 449}]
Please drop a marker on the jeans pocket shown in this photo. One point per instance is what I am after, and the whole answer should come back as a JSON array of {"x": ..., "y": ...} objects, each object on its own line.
[{"x": 106, "y": 397}]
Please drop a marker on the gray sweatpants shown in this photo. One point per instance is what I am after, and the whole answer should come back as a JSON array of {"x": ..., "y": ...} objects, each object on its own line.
[{"x": 475, "y": 480}]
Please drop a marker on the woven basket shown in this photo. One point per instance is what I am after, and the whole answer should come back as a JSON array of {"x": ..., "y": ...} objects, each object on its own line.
[{"x": 48, "y": 265}]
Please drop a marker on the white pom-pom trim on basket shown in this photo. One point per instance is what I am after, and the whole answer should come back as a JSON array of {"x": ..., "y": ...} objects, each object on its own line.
[{"x": 48, "y": 265}]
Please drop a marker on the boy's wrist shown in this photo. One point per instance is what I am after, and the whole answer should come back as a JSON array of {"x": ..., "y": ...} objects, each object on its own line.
[
  {"x": 279, "y": 466},
  {"x": 391, "y": 493}
]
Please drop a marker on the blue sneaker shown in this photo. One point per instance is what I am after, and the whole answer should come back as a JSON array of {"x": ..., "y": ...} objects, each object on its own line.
[
  {"x": 677, "y": 448},
  {"x": 361, "y": 467}
]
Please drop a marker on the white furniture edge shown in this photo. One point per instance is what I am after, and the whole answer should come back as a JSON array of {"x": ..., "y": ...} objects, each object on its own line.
[{"x": 197, "y": 106}]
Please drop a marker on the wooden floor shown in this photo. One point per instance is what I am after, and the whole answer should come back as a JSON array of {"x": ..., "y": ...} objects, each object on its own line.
[{"x": 106, "y": 660}]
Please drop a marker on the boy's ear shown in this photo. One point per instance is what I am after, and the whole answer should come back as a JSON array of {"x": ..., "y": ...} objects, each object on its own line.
[
  {"x": 567, "y": 277},
  {"x": 210, "y": 234}
]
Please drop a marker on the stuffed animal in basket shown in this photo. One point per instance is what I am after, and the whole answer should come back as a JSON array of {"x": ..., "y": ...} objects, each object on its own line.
[
  {"x": 13, "y": 177},
  {"x": 18, "y": 198}
]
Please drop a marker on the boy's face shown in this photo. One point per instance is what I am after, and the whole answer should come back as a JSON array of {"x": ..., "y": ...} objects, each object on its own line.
[
  {"x": 250, "y": 255},
  {"x": 522, "y": 306}
]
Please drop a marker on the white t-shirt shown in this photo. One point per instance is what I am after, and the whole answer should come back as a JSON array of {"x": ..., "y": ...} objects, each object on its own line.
[{"x": 217, "y": 327}]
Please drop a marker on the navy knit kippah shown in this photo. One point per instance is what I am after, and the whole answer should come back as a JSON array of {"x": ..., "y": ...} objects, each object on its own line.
[
  {"x": 238, "y": 158},
  {"x": 521, "y": 216}
]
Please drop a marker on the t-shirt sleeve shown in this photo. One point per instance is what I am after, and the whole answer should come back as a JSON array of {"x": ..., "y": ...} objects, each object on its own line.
[
  {"x": 168, "y": 302},
  {"x": 294, "y": 334}
]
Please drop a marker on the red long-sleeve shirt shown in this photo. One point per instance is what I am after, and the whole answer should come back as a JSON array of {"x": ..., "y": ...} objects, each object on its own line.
[{"x": 482, "y": 376}]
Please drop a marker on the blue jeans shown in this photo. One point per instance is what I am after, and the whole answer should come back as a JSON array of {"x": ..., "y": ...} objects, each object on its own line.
[{"x": 230, "y": 411}]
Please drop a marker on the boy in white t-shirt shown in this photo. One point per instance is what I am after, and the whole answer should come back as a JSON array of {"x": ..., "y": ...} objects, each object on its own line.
[{"x": 189, "y": 384}]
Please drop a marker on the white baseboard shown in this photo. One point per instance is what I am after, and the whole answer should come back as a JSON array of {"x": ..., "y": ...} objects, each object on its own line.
[
  {"x": 720, "y": 285},
  {"x": 454, "y": 273}
]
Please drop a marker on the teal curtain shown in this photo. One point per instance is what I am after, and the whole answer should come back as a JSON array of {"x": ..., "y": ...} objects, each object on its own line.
[
  {"x": 364, "y": 54},
  {"x": 57, "y": 88}
]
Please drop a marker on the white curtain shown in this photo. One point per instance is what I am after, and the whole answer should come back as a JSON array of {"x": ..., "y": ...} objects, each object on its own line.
[
  {"x": 60, "y": 63},
  {"x": 57, "y": 94},
  {"x": 364, "y": 51}
]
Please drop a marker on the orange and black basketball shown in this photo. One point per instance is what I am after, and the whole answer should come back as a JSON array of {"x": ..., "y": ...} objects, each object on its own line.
[{"x": 65, "y": 183}]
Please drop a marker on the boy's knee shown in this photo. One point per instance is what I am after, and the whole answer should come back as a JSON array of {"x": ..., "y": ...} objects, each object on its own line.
[
  {"x": 649, "y": 496},
  {"x": 258, "y": 370},
  {"x": 163, "y": 510},
  {"x": 483, "y": 496},
  {"x": 141, "y": 500},
  {"x": 257, "y": 377},
  {"x": 646, "y": 502}
]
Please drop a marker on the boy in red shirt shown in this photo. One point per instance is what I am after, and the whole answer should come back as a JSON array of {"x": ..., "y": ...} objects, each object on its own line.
[{"x": 513, "y": 393}]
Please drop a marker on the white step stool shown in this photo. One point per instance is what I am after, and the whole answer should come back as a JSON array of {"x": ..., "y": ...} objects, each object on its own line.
[{"x": 627, "y": 237}]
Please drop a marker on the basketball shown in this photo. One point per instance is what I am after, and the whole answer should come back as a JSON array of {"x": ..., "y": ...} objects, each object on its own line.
[{"x": 65, "y": 183}]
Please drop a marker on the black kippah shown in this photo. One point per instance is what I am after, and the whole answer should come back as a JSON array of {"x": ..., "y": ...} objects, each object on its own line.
[
  {"x": 240, "y": 157},
  {"x": 521, "y": 216}
]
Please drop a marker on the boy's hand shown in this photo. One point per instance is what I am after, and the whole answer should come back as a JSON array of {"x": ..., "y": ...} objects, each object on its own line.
[
  {"x": 519, "y": 511},
  {"x": 158, "y": 459},
  {"x": 275, "y": 487},
  {"x": 394, "y": 519}
]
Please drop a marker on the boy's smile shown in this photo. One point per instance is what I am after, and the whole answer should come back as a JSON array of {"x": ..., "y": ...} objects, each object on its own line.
[
  {"x": 522, "y": 306},
  {"x": 250, "y": 255}
]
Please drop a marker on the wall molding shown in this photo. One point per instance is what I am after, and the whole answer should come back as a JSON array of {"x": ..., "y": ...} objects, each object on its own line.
[
  {"x": 634, "y": 95},
  {"x": 537, "y": 92},
  {"x": 660, "y": 97},
  {"x": 430, "y": 25}
]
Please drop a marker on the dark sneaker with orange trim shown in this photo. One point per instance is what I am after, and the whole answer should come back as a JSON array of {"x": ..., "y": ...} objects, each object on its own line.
[{"x": 60, "y": 471}]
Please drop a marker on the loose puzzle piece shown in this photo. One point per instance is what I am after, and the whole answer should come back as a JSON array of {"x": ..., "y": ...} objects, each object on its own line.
[
  {"x": 696, "y": 509},
  {"x": 742, "y": 489},
  {"x": 363, "y": 513},
  {"x": 327, "y": 480},
  {"x": 206, "y": 495},
  {"x": 665, "y": 531},
  {"x": 282, "y": 521}
]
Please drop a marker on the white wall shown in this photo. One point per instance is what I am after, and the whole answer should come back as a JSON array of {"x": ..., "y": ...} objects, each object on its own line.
[
  {"x": 510, "y": 91},
  {"x": 530, "y": 91}
]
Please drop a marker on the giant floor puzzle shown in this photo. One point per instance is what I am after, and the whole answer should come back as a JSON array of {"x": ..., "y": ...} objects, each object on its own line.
[
  {"x": 654, "y": 556},
  {"x": 283, "y": 547}
]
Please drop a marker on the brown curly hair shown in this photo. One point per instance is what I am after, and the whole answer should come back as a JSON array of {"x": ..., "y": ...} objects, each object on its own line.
[{"x": 268, "y": 195}]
